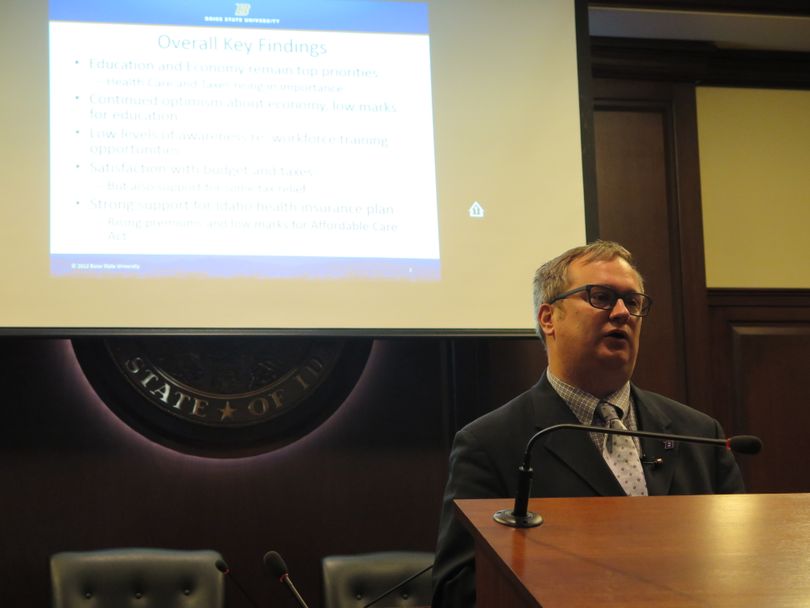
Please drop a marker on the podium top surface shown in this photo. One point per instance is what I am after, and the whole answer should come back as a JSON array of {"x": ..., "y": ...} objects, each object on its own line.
[{"x": 663, "y": 551}]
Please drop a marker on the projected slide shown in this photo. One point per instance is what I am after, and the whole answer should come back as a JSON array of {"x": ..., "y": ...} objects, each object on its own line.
[{"x": 275, "y": 139}]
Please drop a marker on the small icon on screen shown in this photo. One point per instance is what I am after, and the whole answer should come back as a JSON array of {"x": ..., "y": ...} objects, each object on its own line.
[{"x": 476, "y": 210}]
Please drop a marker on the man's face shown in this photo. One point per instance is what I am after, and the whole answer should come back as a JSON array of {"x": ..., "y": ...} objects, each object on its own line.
[{"x": 590, "y": 348}]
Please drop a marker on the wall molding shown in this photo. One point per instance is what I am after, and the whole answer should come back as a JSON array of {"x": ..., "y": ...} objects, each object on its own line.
[
  {"x": 770, "y": 7},
  {"x": 700, "y": 63},
  {"x": 735, "y": 297}
]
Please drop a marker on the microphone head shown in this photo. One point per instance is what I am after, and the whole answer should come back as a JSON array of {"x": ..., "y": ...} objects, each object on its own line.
[
  {"x": 274, "y": 564},
  {"x": 222, "y": 566},
  {"x": 745, "y": 444}
]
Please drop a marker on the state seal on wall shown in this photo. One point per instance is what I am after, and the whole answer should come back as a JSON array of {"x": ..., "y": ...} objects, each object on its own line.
[{"x": 222, "y": 395}]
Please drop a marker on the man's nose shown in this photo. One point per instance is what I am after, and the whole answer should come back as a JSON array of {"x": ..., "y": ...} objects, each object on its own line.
[{"x": 619, "y": 310}]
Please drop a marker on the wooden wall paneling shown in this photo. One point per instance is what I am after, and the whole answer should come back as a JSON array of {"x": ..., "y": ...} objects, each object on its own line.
[
  {"x": 733, "y": 342},
  {"x": 515, "y": 366},
  {"x": 467, "y": 377},
  {"x": 649, "y": 199},
  {"x": 767, "y": 360},
  {"x": 75, "y": 477},
  {"x": 485, "y": 373},
  {"x": 760, "y": 363}
]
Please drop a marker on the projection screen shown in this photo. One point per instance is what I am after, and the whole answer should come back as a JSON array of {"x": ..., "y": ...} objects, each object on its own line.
[{"x": 323, "y": 166}]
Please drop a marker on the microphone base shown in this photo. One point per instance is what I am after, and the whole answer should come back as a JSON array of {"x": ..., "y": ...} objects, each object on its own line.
[{"x": 507, "y": 517}]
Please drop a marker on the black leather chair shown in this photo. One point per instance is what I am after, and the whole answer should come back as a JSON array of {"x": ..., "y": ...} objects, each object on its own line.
[
  {"x": 352, "y": 581},
  {"x": 147, "y": 578}
]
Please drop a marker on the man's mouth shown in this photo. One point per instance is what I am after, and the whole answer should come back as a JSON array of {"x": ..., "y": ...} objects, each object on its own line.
[{"x": 618, "y": 334}]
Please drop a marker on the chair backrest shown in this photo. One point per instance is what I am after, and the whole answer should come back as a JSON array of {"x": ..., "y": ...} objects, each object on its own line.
[
  {"x": 147, "y": 578},
  {"x": 352, "y": 581}
]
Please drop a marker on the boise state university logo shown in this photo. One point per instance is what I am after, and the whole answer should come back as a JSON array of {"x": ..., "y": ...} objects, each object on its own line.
[{"x": 226, "y": 394}]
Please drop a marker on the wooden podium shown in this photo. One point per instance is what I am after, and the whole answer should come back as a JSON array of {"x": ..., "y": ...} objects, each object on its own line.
[{"x": 660, "y": 551}]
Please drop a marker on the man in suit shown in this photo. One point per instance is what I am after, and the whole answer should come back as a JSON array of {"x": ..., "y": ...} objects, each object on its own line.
[{"x": 589, "y": 306}]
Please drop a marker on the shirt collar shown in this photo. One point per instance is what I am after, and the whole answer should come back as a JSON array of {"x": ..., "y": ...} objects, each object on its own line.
[{"x": 583, "y": 404}]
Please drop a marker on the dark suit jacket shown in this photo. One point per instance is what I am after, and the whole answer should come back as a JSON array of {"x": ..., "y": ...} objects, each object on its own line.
[{"x": 487, "y": 452}]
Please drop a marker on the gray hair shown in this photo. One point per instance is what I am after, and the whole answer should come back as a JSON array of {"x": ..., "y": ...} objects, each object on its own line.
[{"x": 551, "y": 278}]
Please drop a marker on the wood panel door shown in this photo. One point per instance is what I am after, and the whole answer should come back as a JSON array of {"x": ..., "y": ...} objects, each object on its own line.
[{"x": 648, "y": 190}]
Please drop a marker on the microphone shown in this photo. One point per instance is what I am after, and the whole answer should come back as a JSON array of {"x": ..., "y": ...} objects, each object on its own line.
[
  {"x": 398, "y": 585},
  {"x": 521, "y": 517},
  {"x": 274, "y": 564},
  {"x": 223, "y": 567}
]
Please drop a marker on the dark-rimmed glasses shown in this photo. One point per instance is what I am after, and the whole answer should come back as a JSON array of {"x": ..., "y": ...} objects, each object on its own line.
[{"x": 605, "y": 298}]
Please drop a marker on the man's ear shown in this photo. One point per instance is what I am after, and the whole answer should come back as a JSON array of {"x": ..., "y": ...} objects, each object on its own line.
[{"x": 545, "y": 319}]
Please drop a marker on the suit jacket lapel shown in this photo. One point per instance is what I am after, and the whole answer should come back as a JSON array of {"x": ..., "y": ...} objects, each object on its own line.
[
  {"x": 660, "y": 456},
  {"x": 574, "y": 448}
]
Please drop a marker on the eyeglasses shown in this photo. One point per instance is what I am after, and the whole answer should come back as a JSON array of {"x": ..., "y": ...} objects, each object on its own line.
[{"x": 605, "y": 298}]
